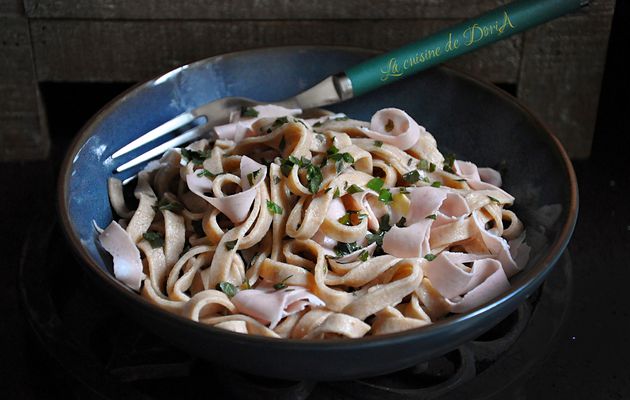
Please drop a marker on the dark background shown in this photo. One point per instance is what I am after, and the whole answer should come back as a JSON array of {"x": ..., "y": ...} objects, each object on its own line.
[{"x": 591, "y": 357}]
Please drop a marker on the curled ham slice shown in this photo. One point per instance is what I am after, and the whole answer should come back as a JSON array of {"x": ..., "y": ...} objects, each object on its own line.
[
  {"x": 235, "y": 206},
  {"x": 127, "y": 264},
  {"x": 269, "y": 305},
  {"x": 465, "y": 290},
  {"x": 395, "y": 127},
  {"x": 237, "y": 130},
  {"x": 497, "y": 246},
  {"x": 478, "y": 178},
  {"x": 413, "y": 240}
]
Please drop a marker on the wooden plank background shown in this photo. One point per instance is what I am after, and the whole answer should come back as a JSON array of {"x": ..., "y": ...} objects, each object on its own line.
[{"x": 556, "y": 68}]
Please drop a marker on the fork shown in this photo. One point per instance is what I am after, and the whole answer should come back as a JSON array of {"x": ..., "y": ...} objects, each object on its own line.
[{"x": 446, "y": 44}]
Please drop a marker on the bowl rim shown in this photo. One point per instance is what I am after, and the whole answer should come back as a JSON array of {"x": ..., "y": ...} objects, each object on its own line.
[{"x": 542, "y": 267}]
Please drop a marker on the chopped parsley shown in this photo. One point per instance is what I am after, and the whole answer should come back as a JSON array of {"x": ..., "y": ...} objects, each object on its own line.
[
  {"x": 276, "y": 180},
  {"x": 282, "y": 284},
  {"x": 251, "y": 177},
  {"x": 412, "y": 177},
  {"x": 378, "y": 143},
  {"x": 341, "y": 119},
  {"x": 347, "y": 218},
  {"x": 317, "y": 124},
  {"x": 336, "y": 194},
  {"x": 449, "y": 163},
  {"x": 164, "y": 204},
  {"x": 375, "y": 184},
  {"x": 314, "y": 177},
  {"x": 401, "y": 222},
  {"x": 354, "y": 189},
  {"x": 377, "y": 238},
  {"x": 494, "y": 199},
  {"x": 339, "y": 158},
  {"x": 196, "y": 157},
  {"x": 430, "y": 257},
  {"x": 227, "y": 288},
  {"x": 249, "y": 112},
  {"x": 279, "y": 122},
  {"x": 432, "y": 216},
  {"x": 155, "y": 239},
  {"x": 385, "y": 196},
  {"x": 364, "y": 256},
  {"x": 342, "y": 249},
  {"x": 231, "y": 244},
  {"x": 423, "y": 165},
  {"x": 204, "y": 172},
  {"x": 403, "y": 190},
  {"x": 436, "y": 184},
  {"x": 432, "y": 167},
  {"x": 273, "y": 207}
]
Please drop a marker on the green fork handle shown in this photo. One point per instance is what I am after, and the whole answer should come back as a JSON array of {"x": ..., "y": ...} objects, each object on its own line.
[{"x": 462, "y": 38}]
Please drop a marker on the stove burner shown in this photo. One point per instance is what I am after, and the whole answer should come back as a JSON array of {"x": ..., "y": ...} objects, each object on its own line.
[{"x": 112, "y": 357}]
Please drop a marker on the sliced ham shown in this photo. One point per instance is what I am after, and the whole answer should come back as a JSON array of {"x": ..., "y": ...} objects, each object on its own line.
[
  {"x": 465, "y": 290},
  {"x": 239, "y": 129},
  {"x": 413, "y": 239},
  {"x": 127, "y": 264},
  {"x": 235, "y": 206},
  {"x": 395, "y": 127},
  {"x": 269, "y": 305}
]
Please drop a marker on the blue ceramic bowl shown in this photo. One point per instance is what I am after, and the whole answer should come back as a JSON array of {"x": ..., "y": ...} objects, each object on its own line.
[{"x": 472, "y": 119}]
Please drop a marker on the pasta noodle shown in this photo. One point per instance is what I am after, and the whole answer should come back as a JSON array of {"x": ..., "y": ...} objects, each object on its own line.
[{"x": 315, "y": 228}]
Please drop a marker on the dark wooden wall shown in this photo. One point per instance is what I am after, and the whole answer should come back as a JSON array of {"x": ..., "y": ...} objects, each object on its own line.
[{"x": 556, "y": 68}]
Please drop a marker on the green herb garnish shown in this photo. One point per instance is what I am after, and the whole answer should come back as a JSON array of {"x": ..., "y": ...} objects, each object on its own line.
[
  {"x": 364, "y": 256},
  {"x": 432, "y": 216},
  {"x": 375, "y": 184},
  {"x": 336, "y": 194},
  {"x": 164, "y": 204},
  {"x": 449, "y": 163},
  {"x": 342, "y": 249},
  {"x": 314, "y": 177},
  {"x": 423, "y": 165},
  {"x": 432, "y": 167},
  {"x": 430, "y": 257},
  {"x": 196, "y": 157},
  {"x": 252, "y": 176},
  {"x": 341, "y": 119},
  {"x": 276, "y": 180},
  {"x": 436, "y": 184},
  {"x": 385, "y": 196},
  {"x": 401, "y": 222},
  {"x": 273, "y": 207},
  {"x": 354, "y": 189},
  {"x": 378, "y": 143},
  {"x": 282, "y": 284},
  {"x": 231, "y": 244},
  {"x": 249, "y": 112},
  {"x": 227, "y": 288},
  {"x": 155, "y": 239},
  {"x": 494, "y": 199},
  {"x": 412, "y": 177},
  {"x": 208, "y": 174},
  {"x": 280, "y": 121}
]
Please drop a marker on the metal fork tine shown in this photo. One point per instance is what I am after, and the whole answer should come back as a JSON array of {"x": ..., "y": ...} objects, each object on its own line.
[
  {"x": 168, "y": 126},
  {"x": 187, "y": 136}
]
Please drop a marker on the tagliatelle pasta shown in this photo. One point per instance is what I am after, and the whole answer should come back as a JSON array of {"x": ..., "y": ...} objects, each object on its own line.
[{"x": 315, "y": 228}]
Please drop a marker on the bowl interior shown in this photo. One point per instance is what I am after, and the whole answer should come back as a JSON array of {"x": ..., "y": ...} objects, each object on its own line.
[{"x": 473, "y": 120}]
